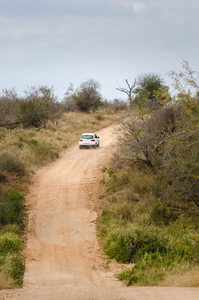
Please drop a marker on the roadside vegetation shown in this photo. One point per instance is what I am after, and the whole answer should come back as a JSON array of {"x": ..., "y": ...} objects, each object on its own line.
[
  {"x": 150, "y": 191},
  {"x": 34, "y": 130}
]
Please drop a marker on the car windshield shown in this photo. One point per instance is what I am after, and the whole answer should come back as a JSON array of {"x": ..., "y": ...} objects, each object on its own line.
[{"x": 87, "y": 137}]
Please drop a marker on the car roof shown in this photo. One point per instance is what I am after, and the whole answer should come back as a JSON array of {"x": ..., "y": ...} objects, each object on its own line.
[{"x": 91, "y": 133}]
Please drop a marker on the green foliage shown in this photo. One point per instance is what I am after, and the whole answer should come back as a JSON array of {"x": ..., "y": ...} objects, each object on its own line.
[
  {"x": 154, "y": 251},
  {"x": 9, "y": 242},
  {"x": 11, "y": 262},
  {"x": 186, "y": 84},
  {"x": 12, "y": 209},
  {"x": 147, "y": 88},
  {"x": 128, "y": 244},
  {"x": 12, "y": 216},
  {"x": 16, "y": 270},
  {"x": 12, "y": 165},
  {"x": 110, "y": 172},
  {"x": 152, "y": 269}
]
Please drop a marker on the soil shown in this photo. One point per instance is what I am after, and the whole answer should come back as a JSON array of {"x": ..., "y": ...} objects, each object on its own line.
[{"x": 63, "y": 256}]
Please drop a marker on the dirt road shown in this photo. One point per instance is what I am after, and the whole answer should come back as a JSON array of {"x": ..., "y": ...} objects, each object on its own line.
[{"x": 64, "y": 260}]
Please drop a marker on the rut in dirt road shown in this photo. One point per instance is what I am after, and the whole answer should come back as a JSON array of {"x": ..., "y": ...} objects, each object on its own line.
[{"x": 62, "y": 247}]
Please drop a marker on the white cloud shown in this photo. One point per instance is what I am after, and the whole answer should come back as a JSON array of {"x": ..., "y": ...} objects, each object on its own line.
[{"x": 138, "y": 7}]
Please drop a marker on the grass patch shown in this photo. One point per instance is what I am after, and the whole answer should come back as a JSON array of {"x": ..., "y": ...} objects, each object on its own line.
[
  {"x": 11, "y": 261},
  {"x": 12, "y": 215}
]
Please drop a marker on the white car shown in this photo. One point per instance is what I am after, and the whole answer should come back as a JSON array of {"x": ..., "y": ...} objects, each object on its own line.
[{"x": 89, "y": 140}]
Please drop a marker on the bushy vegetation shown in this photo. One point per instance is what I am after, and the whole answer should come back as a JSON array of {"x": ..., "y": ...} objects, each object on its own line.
[
  {"x": 150, "y": 202},
  {"x": 9, "y": 105},
  {"x": 12, "y": 209},
  {"x": 36, "y": 108},
  {"x": 85, "y": 98},
  {"x": 12, "y": 216}
]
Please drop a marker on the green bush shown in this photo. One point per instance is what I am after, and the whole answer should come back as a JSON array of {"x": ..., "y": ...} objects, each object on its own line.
[
  {"x": 17, "y": 268},
  {"x": 153, "y": 267},
  {"x": 129, "y": 244},
  {"x": 155, "y": 251},
  {"x": 11, "y": 261},
  {"x": 12, "y": 165},
  {"x": 12, "y": 209},
  {"x": 9, "y": 242}
]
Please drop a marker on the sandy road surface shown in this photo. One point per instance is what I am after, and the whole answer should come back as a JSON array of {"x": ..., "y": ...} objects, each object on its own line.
[{"x": 63, "y": 256}]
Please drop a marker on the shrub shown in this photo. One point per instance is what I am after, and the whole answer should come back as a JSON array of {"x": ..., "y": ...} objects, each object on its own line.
[
  {"x": 12, "y": 165},
  {"x": 12, "y": 208},
  {"x": 129, "y": 244},
  {"x": 155, "y": 251},
  {"x": 153, "y": 266},
  {"x": 9, "y": 106},
  {"x": 38, "y": 107}
]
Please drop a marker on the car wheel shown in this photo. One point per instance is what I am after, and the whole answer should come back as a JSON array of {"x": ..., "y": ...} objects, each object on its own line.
[{"x": 80, "y": 147}]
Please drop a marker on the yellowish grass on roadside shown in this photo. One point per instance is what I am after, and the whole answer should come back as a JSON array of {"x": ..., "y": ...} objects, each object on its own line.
[
  {"x": 6, "y": 282},
  {"x": 189, "y": 279}
]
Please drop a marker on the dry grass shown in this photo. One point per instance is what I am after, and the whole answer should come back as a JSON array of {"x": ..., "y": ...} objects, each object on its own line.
[
  {"x": 6, "y": 282},
  {"x": 189, "y": 279}
]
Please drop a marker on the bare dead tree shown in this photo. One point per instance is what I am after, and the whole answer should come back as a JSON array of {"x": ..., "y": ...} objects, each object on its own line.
[{"x": 128, "y": 91}]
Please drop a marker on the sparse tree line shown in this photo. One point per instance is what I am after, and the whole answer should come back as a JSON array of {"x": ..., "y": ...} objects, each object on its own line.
[
  {"x": 40, "y": 105},
  {"x": 36, "y": 108}
]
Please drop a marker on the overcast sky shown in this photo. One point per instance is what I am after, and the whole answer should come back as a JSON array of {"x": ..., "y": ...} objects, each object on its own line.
[{"x": 55, "y": 42}]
